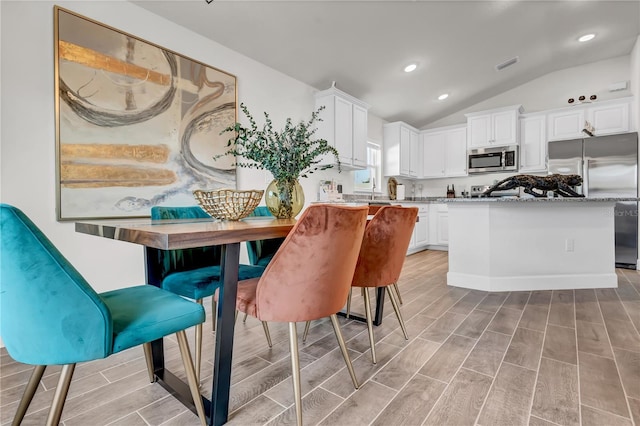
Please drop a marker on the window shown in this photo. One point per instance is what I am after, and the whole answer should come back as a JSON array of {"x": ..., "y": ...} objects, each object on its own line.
[{"x": 364, "y": 179}]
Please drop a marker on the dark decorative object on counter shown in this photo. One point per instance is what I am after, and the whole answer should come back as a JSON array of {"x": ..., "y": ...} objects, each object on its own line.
[
  {"x": 559, "y": 184},
  {"x": 392, "y": 188},
  {"x": 451, "y": 193}
]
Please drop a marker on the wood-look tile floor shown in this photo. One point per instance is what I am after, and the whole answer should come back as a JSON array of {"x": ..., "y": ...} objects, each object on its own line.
[{"x": 473, "y": 358}]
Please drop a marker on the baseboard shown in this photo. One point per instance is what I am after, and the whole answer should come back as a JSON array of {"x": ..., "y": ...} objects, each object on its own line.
[{"x": 532, "y": 283}]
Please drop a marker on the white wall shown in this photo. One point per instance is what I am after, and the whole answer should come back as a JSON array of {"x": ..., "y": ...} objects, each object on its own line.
[
  {"x": 27, "y": 144},
  {"x": 552, "y": 90}
]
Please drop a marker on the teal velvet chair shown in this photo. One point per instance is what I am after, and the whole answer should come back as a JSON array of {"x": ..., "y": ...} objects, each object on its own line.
[
  {"x": 195, "y": 273},
  {"x": 52, "y": 316},
  {"x": 261, "y": 252}
]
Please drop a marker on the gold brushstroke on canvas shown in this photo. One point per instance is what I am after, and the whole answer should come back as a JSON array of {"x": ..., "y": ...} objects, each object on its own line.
[
  {"x": 91, "y": 58},
  {"x": 80, "y": 175},
  {"x": 143, "y": 153}
]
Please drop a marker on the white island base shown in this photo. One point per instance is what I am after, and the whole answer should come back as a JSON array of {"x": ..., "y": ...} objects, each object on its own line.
[{"x": 531, "y": 244}]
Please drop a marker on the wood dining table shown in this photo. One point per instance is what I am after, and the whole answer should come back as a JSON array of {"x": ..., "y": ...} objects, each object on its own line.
[{"x": 189, "y": 233}]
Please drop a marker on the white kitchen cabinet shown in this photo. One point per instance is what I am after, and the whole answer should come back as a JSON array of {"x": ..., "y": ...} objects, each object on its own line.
[
  {"x": 533, "y": 143},
  {"x": 444, "y": 152},
  {"x": 566, "y": 124},
  {"x": 607, "y": 117},
  {"x": 494, "y": 127},
  {"x": 433, "y": 150},
  {"x": 405, "y": 151},
  {"x": 420, "y": 236},
  {"x": 439, "y": 225},
  {"x": 360, "y": 117},
  {"x": 421, "y": 230},
  {"x": 401, "y": 150},
  {"x": 456, "y": 152},
  {"x": 442, "y": 237},
  {"x": 415, "y": 165},
  {"x": 344, "y": 126},
  {"x": 610, "y": 118}
]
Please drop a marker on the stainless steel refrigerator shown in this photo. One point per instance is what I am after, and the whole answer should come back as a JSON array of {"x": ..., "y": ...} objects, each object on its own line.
[{"x": 609, "y": 168}]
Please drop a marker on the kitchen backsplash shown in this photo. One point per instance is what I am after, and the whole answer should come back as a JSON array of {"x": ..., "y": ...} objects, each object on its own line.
[{"x": 427, "y": 188}]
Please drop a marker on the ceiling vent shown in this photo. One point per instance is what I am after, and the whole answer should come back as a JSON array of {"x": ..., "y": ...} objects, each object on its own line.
[{"x": 507, "y": 63}]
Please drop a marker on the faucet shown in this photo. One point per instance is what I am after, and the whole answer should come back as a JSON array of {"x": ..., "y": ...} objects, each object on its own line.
[{"x": 373, "y": 187}]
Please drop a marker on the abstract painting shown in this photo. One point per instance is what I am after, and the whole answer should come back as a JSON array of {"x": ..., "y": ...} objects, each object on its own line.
[{"x": 137, "y": 125}]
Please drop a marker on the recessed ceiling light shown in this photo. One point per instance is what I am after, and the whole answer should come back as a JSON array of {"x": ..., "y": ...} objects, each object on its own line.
[
  {"x": 410, "y": 67},
  {"x": 443, "y": 96},
  {"x": 586, "y": 37}
]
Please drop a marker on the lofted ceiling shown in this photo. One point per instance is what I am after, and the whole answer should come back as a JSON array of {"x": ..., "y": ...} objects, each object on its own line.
[{"x": 364, "y": 45}]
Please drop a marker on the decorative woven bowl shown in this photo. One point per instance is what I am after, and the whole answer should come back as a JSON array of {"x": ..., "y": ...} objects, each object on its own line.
[{"x": 228, "y": 204}]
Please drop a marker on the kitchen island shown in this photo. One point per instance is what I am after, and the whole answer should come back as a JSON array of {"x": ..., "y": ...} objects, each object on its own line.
[{"x": 513, "y": 244}]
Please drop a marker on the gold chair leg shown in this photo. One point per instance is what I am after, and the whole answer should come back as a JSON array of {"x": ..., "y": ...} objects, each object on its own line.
[
  {"x": 198, "y": 331},
  {"x": 214, "y": 313},
  {"x": 349, "y": 304},
  {"x": 149, "y": 358},
  {"x": 307, "y": 326},
  {"x": 295, "y": 371},
  {"x": 60, "y": 395},
  {"x": 198, "y": 349},
  {"x": 245, "y": 318},
  {"x": 367, "y": 310},
  {"x": 395, "y": 287},
  {"x": 194, "y": 385},
  {"x": 265, "y": 326},
  {"x": 343, "y": 348},
  {"x": 29, "y": 391},
  {"x": 396, "y": 308}
]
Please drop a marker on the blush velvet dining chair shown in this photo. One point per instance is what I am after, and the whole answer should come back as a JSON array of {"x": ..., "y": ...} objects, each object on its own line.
[
  {"x": 309, "y": 278},
  {"x": 52, "y": 316},
  {"x": 373, "y": 209},
  {"x": 261, "y": 252},
  {"x": 195, "y": 273},
  {"x": 384, "y": 248}
]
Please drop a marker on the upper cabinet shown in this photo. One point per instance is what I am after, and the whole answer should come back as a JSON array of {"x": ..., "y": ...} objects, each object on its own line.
[
  {"x": 494, "y": 127},
  {"x": 566, "y": 124},
  {"x": 344, "y": 126},
  {"x": 533, "y": 143},
  {"x": 401, "y": 150},
  {"x": 607, "y": 117},
  {"x": 444, "y": 152}
]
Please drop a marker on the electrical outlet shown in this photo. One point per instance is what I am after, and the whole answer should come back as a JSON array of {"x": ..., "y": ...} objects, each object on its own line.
[{"x": 569, "y": 244}]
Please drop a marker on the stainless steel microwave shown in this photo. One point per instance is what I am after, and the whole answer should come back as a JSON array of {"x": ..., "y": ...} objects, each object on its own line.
[{"x": 493, "y": 159}]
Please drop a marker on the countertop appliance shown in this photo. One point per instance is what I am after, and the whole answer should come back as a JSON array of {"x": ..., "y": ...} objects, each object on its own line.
[
  {"x": 609, "y": 168},
  {"x": 493, "y": 159}
]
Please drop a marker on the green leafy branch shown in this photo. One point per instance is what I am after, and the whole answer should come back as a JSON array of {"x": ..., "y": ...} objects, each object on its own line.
[{"x": 288, "y": 154}]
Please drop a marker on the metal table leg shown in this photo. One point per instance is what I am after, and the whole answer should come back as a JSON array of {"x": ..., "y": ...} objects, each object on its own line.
[
  {"x": 224, "y": 334},
  {"x": 216, "y": 409},
  {"x": 377, "y": 319}
]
